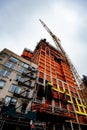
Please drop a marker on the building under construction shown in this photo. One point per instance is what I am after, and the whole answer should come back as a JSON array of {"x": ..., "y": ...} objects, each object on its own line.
[
  {"x": 49, "y": 95},
  {"x": 58, "y": 99}
]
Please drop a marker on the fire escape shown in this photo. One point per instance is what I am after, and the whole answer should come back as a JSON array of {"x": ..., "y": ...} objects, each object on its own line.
[
  {"x": 10, "y": 113},
  {"x": 27, "y": 92}
]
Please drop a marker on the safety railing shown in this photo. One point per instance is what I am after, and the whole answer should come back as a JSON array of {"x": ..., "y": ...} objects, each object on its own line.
[{"x": 52, "y": 110}]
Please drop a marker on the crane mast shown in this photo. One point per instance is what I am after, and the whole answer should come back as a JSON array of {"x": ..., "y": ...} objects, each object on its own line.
[{"x": 58, "y": 45}]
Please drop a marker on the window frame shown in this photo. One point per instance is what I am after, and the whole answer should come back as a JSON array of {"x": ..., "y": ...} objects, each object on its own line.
[
  {"x": 4, "y": 54},
  {"x": 15, "y": 89},
  {"x": 10, "y": 65},
  {"x": 19, "y": 78},
  {"x": 4, "y": 82},
  {"x": 21, "y": 70},
  {"x": 25, "y": 65},
  {"x": 13, "y": 59},
  {"x": 29, "y": 82},
  {"x": 4, "y": 72},
  {"x": 10, "y": 100}
]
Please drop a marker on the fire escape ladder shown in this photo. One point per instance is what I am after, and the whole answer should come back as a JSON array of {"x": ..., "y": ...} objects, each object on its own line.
[
  {"x": 29, "y": 76},
  {"x": 27, "y": 91}
]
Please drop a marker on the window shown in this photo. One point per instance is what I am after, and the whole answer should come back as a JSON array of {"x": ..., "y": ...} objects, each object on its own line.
[
  {"x": 40, "y": 80},
  {"x": 33, "y": 69},
  {"x": 14, "y": 60},
  {"x": 29, "y": 83},
  {"x": 22, "y": 70},
  {"x": 27, "y": 93},
  {"x": 4, "y": 72},
  {"x": 31, "y": 74},
  {"x": 1, "y": 59},
  {"x": 10, "y": 65},
  {"x": 9, "y": 99},
  {"x": 3, "y": 54},
  {"x": 25, "y": 65},
  {"x": 23, "y": 108},
  {"x": 15, "y": 88},
  {"x": 19, "y": 78},
  {"x": 2, "y": 83}
]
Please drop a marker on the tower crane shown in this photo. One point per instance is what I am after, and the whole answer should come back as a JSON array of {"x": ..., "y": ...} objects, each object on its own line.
[
  {"x": 58, "y": 45},
  {"x": 80, "y": 82}
]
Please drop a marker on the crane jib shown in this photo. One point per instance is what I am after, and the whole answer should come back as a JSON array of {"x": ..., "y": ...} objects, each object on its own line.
[{"x": 58, "y": 45}]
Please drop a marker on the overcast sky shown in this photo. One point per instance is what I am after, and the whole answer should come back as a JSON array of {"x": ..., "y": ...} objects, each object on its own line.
[{"x": 67, "y": 19}]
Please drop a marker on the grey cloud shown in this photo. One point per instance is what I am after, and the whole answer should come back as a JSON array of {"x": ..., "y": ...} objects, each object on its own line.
[{"x": 19, "y": 25}]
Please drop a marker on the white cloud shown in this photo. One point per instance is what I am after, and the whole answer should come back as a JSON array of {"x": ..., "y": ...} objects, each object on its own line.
[{"x": 19, "y": 26}]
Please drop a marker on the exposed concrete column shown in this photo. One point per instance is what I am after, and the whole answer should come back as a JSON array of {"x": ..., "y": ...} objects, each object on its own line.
[{"x": 54, "y": 128}]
